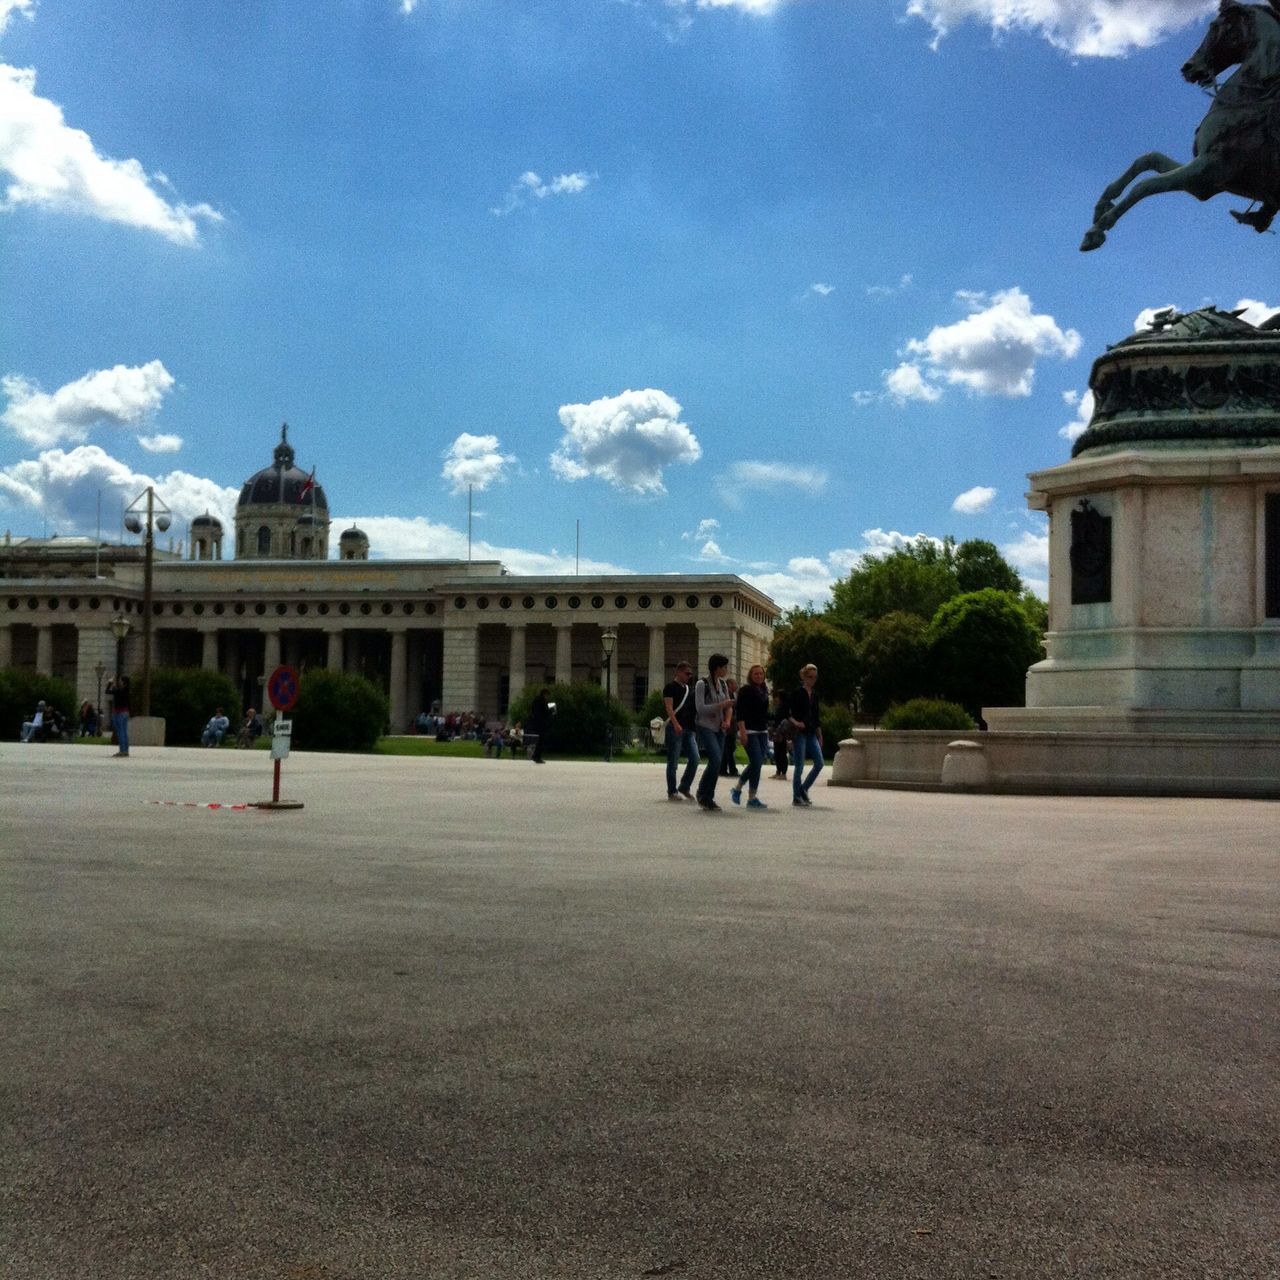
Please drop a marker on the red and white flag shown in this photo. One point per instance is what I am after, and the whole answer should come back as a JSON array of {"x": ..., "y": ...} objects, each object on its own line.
[{"x": 307, "y": 485}]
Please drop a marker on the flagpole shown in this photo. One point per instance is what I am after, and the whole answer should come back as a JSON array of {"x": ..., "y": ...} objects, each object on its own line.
[
  {"x": 469, "y": 487},
  {"x": 577, "y": 547}
]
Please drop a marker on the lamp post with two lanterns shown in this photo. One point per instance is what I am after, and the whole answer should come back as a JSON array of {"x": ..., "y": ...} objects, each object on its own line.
[
  {"x": 607, "y": 642},
  {"x": 147, "y": 512}
]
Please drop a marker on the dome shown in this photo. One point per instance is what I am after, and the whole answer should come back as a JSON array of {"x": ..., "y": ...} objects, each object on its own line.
[
  {"x": 353, "y": 535},
  {"x": 206, "y": 521},
  {"x": 282, "y": 482}
]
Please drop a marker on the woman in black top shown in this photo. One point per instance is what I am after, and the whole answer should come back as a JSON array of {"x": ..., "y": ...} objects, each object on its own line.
[
  {"x": 807, "y": 742},
  {"x": 753, "y": 732}
]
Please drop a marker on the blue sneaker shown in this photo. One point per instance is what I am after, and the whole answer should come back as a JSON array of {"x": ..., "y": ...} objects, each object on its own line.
[
  {"x": 753, "y": 803},
  {"x": 735, "y": 795}
]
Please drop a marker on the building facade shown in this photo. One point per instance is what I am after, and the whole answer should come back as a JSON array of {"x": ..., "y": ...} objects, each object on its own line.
[{"x": 466, "y": 635}]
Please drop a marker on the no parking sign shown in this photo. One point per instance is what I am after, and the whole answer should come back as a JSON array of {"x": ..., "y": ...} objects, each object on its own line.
[{"x": 282, "y": 688}]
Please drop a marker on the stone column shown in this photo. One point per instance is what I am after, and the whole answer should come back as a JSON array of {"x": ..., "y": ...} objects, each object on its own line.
[
  {"x": 6, "y": 647},
  {"x": 657, "y": 657},
  {"x": 564, "y": 654},
  {"x": 399, "y": 680},
  {"x": 516, "y": 664},
  {"x": 209, "y": 650},
  {"x": 44, "y": 651},
  {"x": 461, "y": 669},
  {"x": 413, "y": 684},
  {"x": 270, "y": 652},
  {"x": 333, "y": 660}
]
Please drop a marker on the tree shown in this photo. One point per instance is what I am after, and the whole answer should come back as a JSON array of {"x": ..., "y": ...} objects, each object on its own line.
[
  {"x": 19, "y": 693},
  {"x": 186, "y": 697},
  {"x": 979, "y": 564},
  {"x": 916, "y": 578},
  {"x": 895, "y": 662},
  {"x": 338, "y": 712},
  {"x": 980, "y": 645},
  {"x": 833, "y": 651}
]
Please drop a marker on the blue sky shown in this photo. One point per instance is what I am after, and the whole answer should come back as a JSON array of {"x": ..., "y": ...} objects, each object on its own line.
[{"x": 745, "y": 285}]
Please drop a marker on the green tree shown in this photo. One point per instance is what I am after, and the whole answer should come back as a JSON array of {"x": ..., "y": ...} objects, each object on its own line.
[
  {"x": 895, "y": 662},
  {"x": 338, "y": 712},
  {"x": 979, "y": 564},
  {"x": 580, "y": 724},
  {"x": 186, "y": 697},
  {"x": 980, "y": 645},
  {"x": 830, "y": 649},
  {"x": 916, "y": 578}
]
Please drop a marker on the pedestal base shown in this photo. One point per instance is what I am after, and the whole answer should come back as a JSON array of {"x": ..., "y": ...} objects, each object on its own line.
[{"x": 146, "y": 731}]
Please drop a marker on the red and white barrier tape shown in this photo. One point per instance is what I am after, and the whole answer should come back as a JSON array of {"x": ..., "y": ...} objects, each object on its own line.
[{"x": 191, "y": 804}]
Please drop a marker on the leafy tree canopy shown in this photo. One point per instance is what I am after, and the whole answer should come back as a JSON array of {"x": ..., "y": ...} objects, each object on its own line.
[{"x": 833, "y": 651}]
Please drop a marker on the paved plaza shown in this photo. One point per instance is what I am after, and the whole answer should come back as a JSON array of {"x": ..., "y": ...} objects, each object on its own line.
[{"x": 463, "y": 1018}]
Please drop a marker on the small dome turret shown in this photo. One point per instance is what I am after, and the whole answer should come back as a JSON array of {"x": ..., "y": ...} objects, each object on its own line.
[{"x": 353, "y": 545}]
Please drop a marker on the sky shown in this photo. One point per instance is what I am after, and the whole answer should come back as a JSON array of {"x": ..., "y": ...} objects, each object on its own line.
[{"x": 758, "y": 286}]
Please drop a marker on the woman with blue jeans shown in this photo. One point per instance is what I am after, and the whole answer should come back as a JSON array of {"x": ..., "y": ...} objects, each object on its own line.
[
  {"x": 753, "y": 731},
  {"x": 807, "y": 743},
  {"x": 711, "y": 703}
]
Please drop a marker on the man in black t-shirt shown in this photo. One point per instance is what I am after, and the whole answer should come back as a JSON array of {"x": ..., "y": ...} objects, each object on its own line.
[{"x": 678, "y": 707}]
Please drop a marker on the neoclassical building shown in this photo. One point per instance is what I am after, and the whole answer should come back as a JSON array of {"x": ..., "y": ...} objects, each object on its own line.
[{"x": 467, "y": 634}]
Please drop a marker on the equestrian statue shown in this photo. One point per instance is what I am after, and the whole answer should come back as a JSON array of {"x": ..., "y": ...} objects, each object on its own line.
[{"x": 1237, "y": 146}]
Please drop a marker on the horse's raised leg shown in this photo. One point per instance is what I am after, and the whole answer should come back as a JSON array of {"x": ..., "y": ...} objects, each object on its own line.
[{"x": 1153, "y": 160}]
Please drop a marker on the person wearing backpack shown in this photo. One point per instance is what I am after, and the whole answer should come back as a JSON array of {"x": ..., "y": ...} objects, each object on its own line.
[
  {"x": 677, "y": 704},
  {"x": 712, "y": 702}
]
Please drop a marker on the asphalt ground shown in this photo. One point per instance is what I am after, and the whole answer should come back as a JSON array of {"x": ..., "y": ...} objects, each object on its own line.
[{"x": 463, "y": 1018}]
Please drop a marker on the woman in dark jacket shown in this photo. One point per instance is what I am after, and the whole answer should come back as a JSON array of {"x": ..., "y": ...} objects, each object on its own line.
[
  {"x": 807, "y": 742},
  {"x": 753, "y": 732},
  {"x": 539, "y": 724}
]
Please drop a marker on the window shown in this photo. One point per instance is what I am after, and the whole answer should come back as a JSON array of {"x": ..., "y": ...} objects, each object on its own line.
[
  {"x": 1271, "y": 562},
  {"x": 264, "y": 541}
]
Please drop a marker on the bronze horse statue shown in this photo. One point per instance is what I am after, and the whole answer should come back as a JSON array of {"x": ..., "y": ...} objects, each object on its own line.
[{"x": 1237, "y": 146}]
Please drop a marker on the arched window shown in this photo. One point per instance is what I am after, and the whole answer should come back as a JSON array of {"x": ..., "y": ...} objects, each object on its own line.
[
  {"x": 306, "y": 548},
  {"x": 264, "y": 541}
]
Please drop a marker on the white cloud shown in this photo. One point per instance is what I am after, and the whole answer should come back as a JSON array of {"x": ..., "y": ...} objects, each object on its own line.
[
  {"x": 529, "y": 186},
  {"x": 474, "y": 461},
  {"x": 53, "y": 166},
  {"x": 417, "y": 538},
  {"x": 1143, "y": 319},
  {"x": 711, "y": 551},
  {"x": 888, "y": 290},
  {"x": 992, "y": 351},
  {"x": 822, "y": 290},
  {"x": 750, "y": 475},
  {"x": 905, "y": 384},
  {"x": 625, "y": 439},
  {"x": 1029, "y": 554},
  {"x": 408, "y": 6},
  {"x": 975, "y": 501},
  {"x": 1087, "y": 28},
  {"x": 1084, "y": 411},
  {"x": 64, "y": 486},
  {"x": 120, "y": 396},
  {"x": 161, "y": 443},
  {"x": 1255, "y": 312},
  {"x": 760, "y": 8},
  {"x": 9, "y": 7}
]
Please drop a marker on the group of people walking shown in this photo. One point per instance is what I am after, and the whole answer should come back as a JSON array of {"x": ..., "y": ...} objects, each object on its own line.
[{"x": 698, "y": 715}]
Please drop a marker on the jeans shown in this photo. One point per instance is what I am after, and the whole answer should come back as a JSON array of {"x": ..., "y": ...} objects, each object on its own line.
[
  {"x": 675, "y": 743},
  {"x": 712, "y": 743},
  {"x": 757, "y": 750},
  {"x": 120, "y": 723},
  {"x": 805, "y": 745}
]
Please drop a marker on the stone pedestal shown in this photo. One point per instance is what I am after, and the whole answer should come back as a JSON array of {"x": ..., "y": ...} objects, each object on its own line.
[{"x": 146, "y": 731}]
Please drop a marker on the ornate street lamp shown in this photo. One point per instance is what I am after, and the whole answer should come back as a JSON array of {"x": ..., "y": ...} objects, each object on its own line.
[
  {"x": 607, "y": 642},
  {"x": 157, "y": 516},
  {"x": 120, "y": 628},
  {"x": 99, "y": 670}
]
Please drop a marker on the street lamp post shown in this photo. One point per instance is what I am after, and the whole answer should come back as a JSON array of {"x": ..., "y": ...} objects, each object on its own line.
[
  {"x": 120, "y": 628},
  {"x": 607, "y": 642},
  {"x": 100, "y": 670},
  {"x": 157, "y": 516}
]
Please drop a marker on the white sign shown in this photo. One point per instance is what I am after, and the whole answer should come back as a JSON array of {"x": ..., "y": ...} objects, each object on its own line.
[
  {"x": 279, "y": 748},
  {"x": 282, "y": 729}
]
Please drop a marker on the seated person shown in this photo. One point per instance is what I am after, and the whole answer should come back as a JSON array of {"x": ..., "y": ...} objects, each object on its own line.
[
  {"x": 494, "y": 743},
  {"x": 54, "y": 728},
  {"x": 31, "y": 728},
  {"x": 515, "y": 738},
  {"x": 423, "y": 723},
  {"x": 88, "y": 720},
  {"x": 250, "y": 730},
  {"x": 215, "y": 730}
]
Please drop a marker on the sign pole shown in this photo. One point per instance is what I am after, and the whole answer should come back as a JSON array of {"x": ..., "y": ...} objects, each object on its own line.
[{"x": 282, "y": 691}]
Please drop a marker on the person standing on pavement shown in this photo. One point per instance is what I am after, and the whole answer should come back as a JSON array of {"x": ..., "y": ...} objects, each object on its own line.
[
  {"x": 712, "y": 703},
  {"x": 752, "y": 715},
  {"x": 807, "y": 742},
  {"x": 539, "y": 724},
  {"x": 118, "y": 690},
  {"x": 681, "y": 735}
]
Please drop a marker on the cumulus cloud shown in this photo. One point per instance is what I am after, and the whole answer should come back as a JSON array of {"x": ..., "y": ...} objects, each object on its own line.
[
  {"x": 161, "y": 443},
  {"x": 474, "y": 461},
  {"x": 992, "y": 351},
  {"x": 822, "y": 290},
  {"x": 741, "y": 479},
  {"x": 529, "y": 186},
  {"x": 1029, "y": 554},
  {"x": 975, "y": 501},
  {"x": 417, "y": 538},
  {"x": 63, "y": 486},
  {"x": 888, "y": 290},
  {"x": 1255, "y": 312},
  {"x": 121, "y": 396},
  {"x": 625, "y": 439},
  {"x": 1084, "y": 411},
  {"x": 903, "y": 385},
  {"x": 1086, "y": 28},
  {"x": 53, "y": 166}
]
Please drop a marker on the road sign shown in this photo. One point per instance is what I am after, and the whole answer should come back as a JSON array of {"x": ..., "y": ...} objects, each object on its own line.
[
  {"x": 282, "y": 688},
  {"x": 282, "y": 728}
]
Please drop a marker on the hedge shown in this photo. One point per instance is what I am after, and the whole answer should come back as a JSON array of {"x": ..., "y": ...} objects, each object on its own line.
[
  {"x": 338, "y": 712},
  {"x": 187, "y": 697},
  {"x": 19, "y": 693}
]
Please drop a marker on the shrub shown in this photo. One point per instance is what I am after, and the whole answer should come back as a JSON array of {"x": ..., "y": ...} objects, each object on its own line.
[
  {"x": 186, "y": 697},
  {"x": 19, "y": 693},
  {"x": 837, "y": 724},
  {"x": 653, "y": 709},
  {"x": 927, "y": 713},
  {"x": 338, "y": 712},
  {"x": 580, "y": 722}
]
